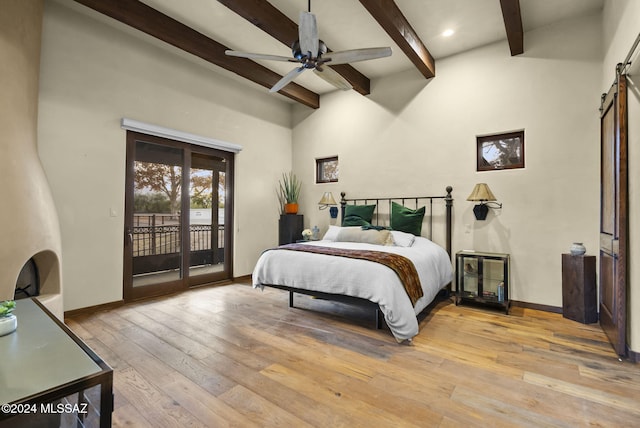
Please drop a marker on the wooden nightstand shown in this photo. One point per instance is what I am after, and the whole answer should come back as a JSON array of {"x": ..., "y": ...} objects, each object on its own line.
[{"x": 579, "y": 295}]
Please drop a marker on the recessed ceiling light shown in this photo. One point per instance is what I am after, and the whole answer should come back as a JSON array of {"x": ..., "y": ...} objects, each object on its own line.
[{"x": 448, "y": 33}]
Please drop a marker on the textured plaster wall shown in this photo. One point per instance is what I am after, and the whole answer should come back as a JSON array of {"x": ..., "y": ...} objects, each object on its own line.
[{"x": 28, "y": 215}]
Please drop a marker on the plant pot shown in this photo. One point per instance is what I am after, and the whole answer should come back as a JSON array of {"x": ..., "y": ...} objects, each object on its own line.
[
  {"x": 291, "y": 208},
  {"x": 8, "y": 324}
]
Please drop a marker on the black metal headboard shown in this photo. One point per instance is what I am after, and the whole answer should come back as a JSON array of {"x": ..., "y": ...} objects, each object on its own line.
[{"x": 416, "y": 200}]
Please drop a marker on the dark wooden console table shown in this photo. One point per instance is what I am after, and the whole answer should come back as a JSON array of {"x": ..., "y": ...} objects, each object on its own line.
[{"x": 290, "y": 228}]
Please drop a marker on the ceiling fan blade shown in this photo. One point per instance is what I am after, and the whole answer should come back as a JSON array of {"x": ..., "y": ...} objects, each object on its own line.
[
  {"x": 354, "y": 55},
  {"x": 259, "y": 56},
  {"x": 333, "y": 77},
  {"x": 287, "y": 79},
  {"x": 308, "y": 34}
]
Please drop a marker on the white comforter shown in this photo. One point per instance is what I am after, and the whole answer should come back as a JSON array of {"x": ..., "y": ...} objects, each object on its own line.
[{"x": 361, "y": 278}]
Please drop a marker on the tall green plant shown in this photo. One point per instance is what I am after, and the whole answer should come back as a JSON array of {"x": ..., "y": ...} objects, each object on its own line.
[{"x": 289, "y": 189}]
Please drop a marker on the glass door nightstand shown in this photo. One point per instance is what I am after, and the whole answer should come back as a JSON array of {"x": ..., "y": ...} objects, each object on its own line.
[{"x": 483, "y": 278}]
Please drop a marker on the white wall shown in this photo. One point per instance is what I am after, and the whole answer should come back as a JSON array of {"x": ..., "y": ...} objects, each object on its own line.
[
  {"x": 621, "y": 25},
  {"x": 92, "y": 75},
  {"x": 415, "y": 137}
]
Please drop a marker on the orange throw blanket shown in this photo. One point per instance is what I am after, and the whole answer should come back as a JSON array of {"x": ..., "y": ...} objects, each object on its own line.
[{"x": 401, "y": 265}]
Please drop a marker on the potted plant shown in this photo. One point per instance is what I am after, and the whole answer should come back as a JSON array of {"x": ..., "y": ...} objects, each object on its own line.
[
  {"x": 288, "y": 193},
  {"x": 8, "y": 321}
]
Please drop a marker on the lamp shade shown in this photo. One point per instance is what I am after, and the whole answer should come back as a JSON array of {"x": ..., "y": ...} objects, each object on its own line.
[
  {"x": 327, "y": 199},
  {"x": 481, "y": 192}
]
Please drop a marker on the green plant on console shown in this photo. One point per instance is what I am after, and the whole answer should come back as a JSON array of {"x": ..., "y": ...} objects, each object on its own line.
[
  {"x": 289, "y": 190},
  {"x": 6, "y": 308}
]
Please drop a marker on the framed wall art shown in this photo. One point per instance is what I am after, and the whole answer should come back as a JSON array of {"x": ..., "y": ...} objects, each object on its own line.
[{"x": 500, "y": 151}]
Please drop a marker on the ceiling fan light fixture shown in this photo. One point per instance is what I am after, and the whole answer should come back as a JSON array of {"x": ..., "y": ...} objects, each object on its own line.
[
  {"x": 311, "y": 53},
  {"x": 299, "y": 55}
]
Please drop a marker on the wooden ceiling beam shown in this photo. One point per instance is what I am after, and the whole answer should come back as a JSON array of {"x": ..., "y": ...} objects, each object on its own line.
[
  {"x": 513, "y": 25},
  {"x": 150, "y": 21},
  {"x": 269, "y": 19},
  {"x": 391, "y": 19}
]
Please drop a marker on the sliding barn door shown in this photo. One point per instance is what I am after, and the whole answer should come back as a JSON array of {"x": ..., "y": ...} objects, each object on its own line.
[{"x": 613, "y": 214}]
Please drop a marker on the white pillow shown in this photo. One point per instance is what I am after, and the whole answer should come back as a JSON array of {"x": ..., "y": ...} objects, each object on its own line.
[
  {"x": 403, "y": 239},
  {"x": 332, "y": 233}
]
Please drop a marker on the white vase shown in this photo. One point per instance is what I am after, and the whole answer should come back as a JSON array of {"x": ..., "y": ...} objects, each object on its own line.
[
  {"x": 577, "y": 249},
  {"x": 8, "y": 324}
]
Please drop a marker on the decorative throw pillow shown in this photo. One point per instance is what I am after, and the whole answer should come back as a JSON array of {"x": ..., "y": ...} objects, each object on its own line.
[
  {"x": 402, "y": 239},
  {"x": 332, "y": 233},
  {"x": 365, "y": 212},
  {"x": 406, "y": 220},
  {"x": 369, "y": 236}
]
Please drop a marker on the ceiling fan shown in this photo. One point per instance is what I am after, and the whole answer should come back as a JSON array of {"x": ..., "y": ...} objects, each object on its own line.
[{"x": 312, "y": 54}]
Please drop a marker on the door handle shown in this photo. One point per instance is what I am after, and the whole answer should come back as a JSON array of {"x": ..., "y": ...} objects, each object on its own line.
[{"x": 129, "y": 235}]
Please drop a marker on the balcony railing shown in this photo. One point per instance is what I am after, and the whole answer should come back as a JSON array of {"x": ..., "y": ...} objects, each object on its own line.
[
  {"x": 158, "y": 234},
  {"x": 157, "y": 244}
]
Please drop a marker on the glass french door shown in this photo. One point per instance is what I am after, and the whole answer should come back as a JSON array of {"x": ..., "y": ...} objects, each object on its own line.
[
  {"x": 178, "y": 230},
  {"x": 207, "y": 210}
]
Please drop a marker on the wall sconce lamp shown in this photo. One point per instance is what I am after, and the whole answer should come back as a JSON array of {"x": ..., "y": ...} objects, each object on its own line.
[
  {"x": 481, "y": 193},
  {"x": 328, "y": 201}
]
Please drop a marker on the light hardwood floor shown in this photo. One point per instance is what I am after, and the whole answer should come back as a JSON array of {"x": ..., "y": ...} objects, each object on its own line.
[{"x": 235, "y": 356}]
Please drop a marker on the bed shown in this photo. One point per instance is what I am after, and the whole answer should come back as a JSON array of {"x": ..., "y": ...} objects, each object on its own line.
[{"x": 338, "y": 267}]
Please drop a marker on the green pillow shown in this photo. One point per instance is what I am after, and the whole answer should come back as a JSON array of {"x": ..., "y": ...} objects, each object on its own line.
[
  {"x": 355, "y": 220},
  {"x": 406, "y": 220},
  {"x": 365, "y": 212}
]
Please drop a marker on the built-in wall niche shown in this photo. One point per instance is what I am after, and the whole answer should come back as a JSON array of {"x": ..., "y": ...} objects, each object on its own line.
[{"x": 28, "y": 283}]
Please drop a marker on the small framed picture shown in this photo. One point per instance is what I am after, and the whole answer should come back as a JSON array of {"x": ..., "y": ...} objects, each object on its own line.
[
  {"x": 500, "y": 151},
  {"x": 327, "y": 170}
]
